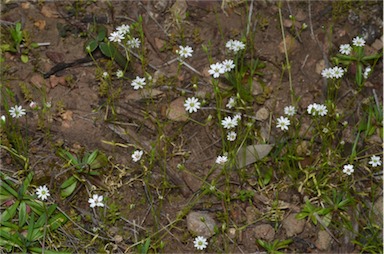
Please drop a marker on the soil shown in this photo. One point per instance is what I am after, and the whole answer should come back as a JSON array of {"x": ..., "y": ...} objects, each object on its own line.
[{"x": 80, "y": 121}]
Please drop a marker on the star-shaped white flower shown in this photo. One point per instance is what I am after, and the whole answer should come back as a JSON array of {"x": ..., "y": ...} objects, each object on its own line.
[
  {"x": 290, "y": 110},
  {"x": 216, "y": 70},
  {"x": 116, "y": 37},
  {"x": 96, "y": 200},
  {"x": 185, "y": 51},
  {"x": 17, "y": 111},
  {"x": 327, "y": 73},
  {"x": 221, "y": 159},
  {"x": 321, "y": 110},
  {"x": 136, "y": 156},
  {"x": 345, "y": 49},
  {"x": 375, "y": 161},
  {"x": 231, "y": 136},
  {"x": 228, "y": 65},
  {"x": 138, "y": 83},
  {"x": 283, "y": 123},
  {"x": 367, "y": 71},
  {"x": 192, "y": 104},
  {"x": 133, "y": 43},
  {"x": 200, "y": 242},
  {"x": 348, "y": 169},
  {"x": 42, "y": 192},
  {"x": 337, "y": 72},
  {"x": 231, "y": 103},
  {"x": 358, "y": 42},
  {"x": 229, "y": 123},
  {"x": 119, "y": 74},
  {"x": 123, "y": 29}
]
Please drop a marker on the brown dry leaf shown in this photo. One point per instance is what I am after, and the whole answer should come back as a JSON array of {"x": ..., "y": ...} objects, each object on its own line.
[
  {"x": 252, "y": 153},
  {"x": 40, "y": 24},
  {"x": 54, "y": 81},
  {"x": 49, "y": 12},
  {"x": 67, "y": 115},
  {"x": 176, "y": 110}
]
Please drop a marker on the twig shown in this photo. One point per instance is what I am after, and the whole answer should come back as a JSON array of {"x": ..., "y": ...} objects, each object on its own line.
[
  {"x": 190, "y": 67},
  {"x": 40, "y": 44},
  {"x": 249, "y": 17},
  {"x": 310, "y": 20}
]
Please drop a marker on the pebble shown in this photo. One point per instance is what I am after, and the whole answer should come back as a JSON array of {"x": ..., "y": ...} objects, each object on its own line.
[
  {"x": 176, "y": 110},
  {"x": 201, "y": 224},
  {"x": 292, "y": 225},
  {"x": 323, "y": 241},
  {"x": 264, "y": 232},
  {"x": 262, "y": 114}
]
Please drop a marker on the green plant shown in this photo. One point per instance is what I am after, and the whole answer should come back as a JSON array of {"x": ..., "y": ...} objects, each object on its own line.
[
  {"x": 312, "y": 212},
  {"x": 25, "y": 221},
  {"x": 86, "y": 165},
  {"x": 275, "y": 246}
]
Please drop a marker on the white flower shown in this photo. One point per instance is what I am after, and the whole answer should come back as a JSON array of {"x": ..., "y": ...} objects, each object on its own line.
[
  {"x": 231, "y": 103},
  {"x": 325, "y": 130},
  {"x": 17, "y": 111},
  {"x": 42, "y": 192},
  {"x": 33, "y": 105},
  {"x": 235, "y": 45},
  {"x": 327, "y": 73},
  {"x": 119, "y": 74},
  {"x": 337, "y": 72},
  {"x": 185, "y": 51},
  {"x": 2, "y": 118},
  {"x": 229, "y": 123},
  {"x": 228, "y": 65},
  {"x": 105, "y": 74},
  {"x": 345, "y": 49},
  {"x": 136, "y": 156},
  {"x": 290, "y": 110},
  {"x": 283, "y": 123},
  {"x": 367, "y": 71},
  {"x": 216, "y": 69},
  {"x": 348, "y": 169},
  {"x": 48, "y": 104},
  {"x": 116, "y": 37},
  {"x": 96, "y": 200},
  {"x": 375, "y": 161},
  {"x": 358, "y": 41},
  {"x": 221, "y": 160},
  {"x": 321, "y": 110},
  {"x": 123, "y": 29},
  {"x": 138, "y": 83},
  {"x": 237, "y": 118},
  {"x": 133, "y": 43},
  {"x": 200, "y": 242},
  {"x": 192, "y": 104},
  {"x": 231, "y": 136}
]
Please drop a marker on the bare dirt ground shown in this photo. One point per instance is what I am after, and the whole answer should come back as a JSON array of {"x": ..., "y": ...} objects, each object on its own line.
[{"x": 81, "y": 121}]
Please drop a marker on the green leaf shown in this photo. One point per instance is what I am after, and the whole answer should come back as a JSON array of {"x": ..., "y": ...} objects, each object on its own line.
[
  {"x": 31, "y": 225},
  {"x": 5, "y": 188},
  {"x": 43, "y": 218},
  {"x": 10, "y": 212},
  {"x": 23, "y": 216},
  {"x": 102, "y": 32},
  {"x": 34, "y": 45},
  {"x": 40, "y": 250},
  {"x": 57, "y": 221},
  {"x": 359, "y": 74},
  {"x": 92, "y": 45},
  {"x": 91, "y": 157},
  {"x": 24, "y": 58},
  {"x": 68, "y": 190},
  {"x": 25, "y": 184},
  {"x": 108, "y": 49}
]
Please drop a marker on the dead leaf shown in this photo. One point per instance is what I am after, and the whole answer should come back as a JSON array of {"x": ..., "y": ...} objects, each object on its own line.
[
  {"x": 40, "y": 24},
  {"x": 252, "y": 153},
  {"x": 176, "y": 110},
  {"x": 54, "y": 81},
  {"x": 67, "y": 115},
  {"x": 49, "y": 12}
]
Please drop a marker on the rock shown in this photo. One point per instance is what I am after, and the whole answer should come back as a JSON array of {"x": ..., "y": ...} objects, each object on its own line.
[
  {"x": 264, "y": 232},
  {"x": 377, "y": 44},
  {"x": 257, "y": 87},
  {"x": 323, "y": 241},
  {"x": 176, "y": 110},
  {"x": 201, "y": 224},
  {"x": 262, "y": 114},
  {"x": 292, "y": 225}
]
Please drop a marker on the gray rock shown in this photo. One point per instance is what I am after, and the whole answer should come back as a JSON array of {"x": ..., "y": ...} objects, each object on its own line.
[
  {"x": 292, "y": 225},
  {"x": 201, "y": 224}
]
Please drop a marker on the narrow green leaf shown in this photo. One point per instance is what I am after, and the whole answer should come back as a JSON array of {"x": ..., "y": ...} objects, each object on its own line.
[
  {"x": 68, "y": 182},
  {"x": 92, "y": 157},
  {"x": 68, "y": 191},
  {"x": 10, "y": 212},
  {"x": 23, "y": 216},
  {"x": 25, "y": 185},
  {"x": 31, "y": 225}
]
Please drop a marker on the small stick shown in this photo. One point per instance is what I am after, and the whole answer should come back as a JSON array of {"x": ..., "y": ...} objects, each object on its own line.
[
  {"x": 249, "y": 17},
  {"x": 190, "y": 67},
  {"x": 40, "y": 44}
]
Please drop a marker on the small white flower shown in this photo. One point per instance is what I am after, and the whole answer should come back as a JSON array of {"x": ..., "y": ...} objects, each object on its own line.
[
  {"x": 116, "y": 37},
  {"x": 231, "y": 103},
  {"x": 327, "y": 73},
  {"x": 212, "y": 188},
  {"x": 237, "y": 118},
  {"x": 228, "y": 65},
  {"x": 2, "y": 118},
  {"x": 105, "y": 74},
  {"x": 221, "y": 159},
  {"x": 192, "y": 104},
  {"x": 325, "y": 130},
  {"x": 229, "y": 44},
  {"x": 133, "y": 43},
  {"x": 229, "y": 123},
  {"x": 96, "y": 200},
  {"x": 138, "y": 83},
  {"x": 119, "y": 74},
  {"x": 48, "y": 104},
  {"x": 235, "y": 45},
  {"x": 185, "y": 51},
  {"x": 216, "y": 69},
  {"x": 348, "y": 169},
  {"x": 342, "y": 142},
  {"x": 33, "y": 105},
  {"x": 345, "y": 49},
  {"x": 337, "y": 72},
  {"x": 123, "y": 29},
  {"x": 367, "y": 71},
  {"x": 231, "y": 136},
  {"x": 290, "y": 110},
  {"x": 358, "y": 42},
  {"x": 321, "y": 110},
  {"x": 375, "y": 161},
  {"x": 42, "y": 192},
  {"x": 136, "y": 156},
  {"x": 17, "y": 111},
  {"x": 283, "y": 123},
  {"x": 200, "y": 242}
]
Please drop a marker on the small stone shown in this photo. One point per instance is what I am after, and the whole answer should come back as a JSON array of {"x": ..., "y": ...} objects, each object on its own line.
[
  {"x": 320, "y": 66},
  {"x": 292, "y": 225},
  {"x": 232, "y": 233},
  {"x": 300, "y": 15},
  {"x": 257, "y": 88},
  {"x": 377, "y": 44},
  {"x": 265, "y": 232},
  {"x": 252, "y": 214},
  {"x": 287, "y": 23},
  {"x": 262, "y": 114},
  {"x": 201, "y": 224},
  {"x": 159, "y": 43},
  {"x": 323, "y": 241},
  {"x": 176, "y": 110}
]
